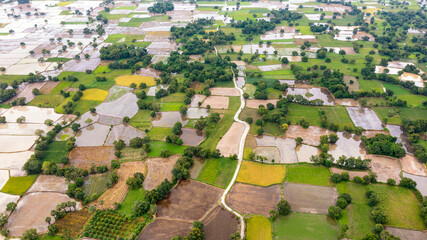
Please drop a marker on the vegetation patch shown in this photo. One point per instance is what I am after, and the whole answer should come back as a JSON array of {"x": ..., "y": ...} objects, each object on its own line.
[
  {"x": 19, "y": 185},
  {"x": 94, "y": 94},
  {"x": 157, "y": 147},
  {"x": 308, "y": 174},
  {"x": 218, "y": 172},
  {"x": 133, "y": 195},
  {"x": 74, "y": 222},
  {"x": 259, "y": 228},
  {"x": 261, "y": 174},
  {"x": 95, "y": 184},
  {"x": 127, "y": 80},
  {"x": 56, "y": 151},
  {"x": 46, "y": 101}
]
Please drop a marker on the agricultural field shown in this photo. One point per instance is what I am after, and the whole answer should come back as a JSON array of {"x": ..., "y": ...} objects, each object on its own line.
[{"x": 210, "y": 119}]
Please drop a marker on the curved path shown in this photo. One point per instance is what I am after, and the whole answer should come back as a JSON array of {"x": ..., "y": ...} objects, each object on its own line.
[{"x": 240, "y": 158}]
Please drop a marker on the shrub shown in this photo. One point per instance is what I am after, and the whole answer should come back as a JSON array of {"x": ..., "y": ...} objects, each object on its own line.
[
  {"x": 342, "y": 203},
  {"x": 335, "y": 178},
  {"x": 335, "y": 212},
  {"x": 391, "y": 182},
  {"x": 345, "y": 176},
  {"x": 283, "y": 207},
  {"x": 379, "y": 216},
  {"x": 407, "y": 183}
]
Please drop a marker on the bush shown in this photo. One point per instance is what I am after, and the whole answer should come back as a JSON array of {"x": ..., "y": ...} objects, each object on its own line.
[
  {"x": 407, "y": 183},
  {"x": 283, "y": 207},
  {"x": 136, "y": 142},
  {"x": 391, "y": 182},
  {"x": 378, "y": 216},
  {"x": 335, "y": 212},
  {"x": 358, "y": 180},
  {"x": 335, "y": 178},
  {"x": 342, "y": 203},
  {"x": 345, "y": 176},
  {"x": 140, "y": 208}
]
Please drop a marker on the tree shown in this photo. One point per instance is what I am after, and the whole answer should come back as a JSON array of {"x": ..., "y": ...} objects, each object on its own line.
[
  {"x": 285, "y": 60},
  {"x": 141, "y": 207},
  {"x": 335, "y": 212},
  {"x": 48, "y": 220},
  {"x": 75, "y": 127},
  {"x": 283, "y": 207},
  {"x": 11, "y": 206},
  {"x": 30, "y": 234},
  {"x": 21, "y": 119}
]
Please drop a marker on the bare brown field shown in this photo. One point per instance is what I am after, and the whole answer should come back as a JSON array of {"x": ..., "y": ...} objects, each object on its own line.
[
  {"x": 73, "y": 221},
  {"x": 228, "y": 145},
  {"x": 83, "y": 157},
  {"x": 385, "y": 167},
  {"x": 310, "y": 136},
  {"x": 351, "y": 173},
  {"x": 164, "y": 229},
  {"x": 412, "y": 165},
  {"x": 220, "y": 224},
  {"x": 159, "y": 169}
]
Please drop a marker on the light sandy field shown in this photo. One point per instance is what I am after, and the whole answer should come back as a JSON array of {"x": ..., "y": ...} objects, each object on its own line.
[
  {"x": 4, "y": 176},
  {"x": 31, "y": 114},
  {"x": 228, "y": 145},
  {"x": 158, "y": 170},
  {"x": 10, "y": 144},
  {"x": 348, "y": 145},
  {"x": 14, "y": 162},
  {"x": 412, "y": 165},
  {"x": 385, "y": 167},
  {"x": 121, "y": 107},
  {"x": 310, "y": 135},
  {"x": 196, "y": 113},
  {"x": 83, "y": 120},
  {"x": 22, "y": 129},
  {"x": 196, "y": 99},
  {"x": 49, "y": 183},
  {"x": 304, "y": 152},
  {"x": 27, "y": 92},
  {"x": 5, "y": 199},
  {"x": 218, "y": 102},
  {"x": 365, "y": 118},
  {"x": 125, "y": 133},
  {"x": 191, "y": 136},
  {"x": 254, "y": 103},
  {"x": 93, "y": 135},
  {"x": 271, "y": 153},
  {"x": 285, "y": 146},
  {"x": 218, "y": 91},
  {"x": 45, "y": 202},
  {"x": 168, "y": 119}
]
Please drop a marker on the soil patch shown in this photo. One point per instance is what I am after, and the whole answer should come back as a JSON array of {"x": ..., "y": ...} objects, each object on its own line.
[
  {"x": 164, "y": 229},
  {"x": 118, "y": 192},
  {"x": 9, "y": 144},
  {"x": 123, "y": 132},
  {"x": 197, "y": 167},
  {"x": 83, "y": 157},
  {"x": 304, "y": 152},
  {"x": 196, "y": 99},
  {"x": 271, "y": 153},
  {"x": 220, "y": 224},
  {"x": 159, "y": 169},
  {"x": 124, "y": 106},
  {"x": 309, "y": 198},
  {"x": 406, "y": 234},
  {"x": 285, "y": 146},
  {"x": 254, "y": 103},
  {"x": 385, "y": 167},
  {"x": 351, "y": 87},
  {"x": 14, "y": 162},
  {"x": 229, "y": 144},
  {"x": 217, "y": 102},
  {"x": 219, "y": 91},
  {"x": 310, "y": 135},
  {"x": 48, "y": 87},
  {"x": 351, "y": 173},
  {"x": 249, "y": 199},
  {"x": 45, "y": 202},
  {"x": 189, "y": 200},
  {"x": 49, "y": 183}
]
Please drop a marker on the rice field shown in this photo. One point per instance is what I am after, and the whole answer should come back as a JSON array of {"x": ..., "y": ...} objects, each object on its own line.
[
  {"x": 261, "y": 174},
  {"x": 127, "y": 80},
  {"x": 94, "y": 94}
]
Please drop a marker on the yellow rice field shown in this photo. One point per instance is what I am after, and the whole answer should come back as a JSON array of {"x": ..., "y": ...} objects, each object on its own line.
[
  {"x": 94, "y": 94},
  {"x": 63, "y": 4},
  {"x": 261, "y": 174},
  {"x": 126, "y": 80}
]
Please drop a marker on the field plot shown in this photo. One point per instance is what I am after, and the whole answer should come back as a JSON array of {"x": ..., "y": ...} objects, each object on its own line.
[
  {"x": 92, "y": 136},
  {"x": 304, "y": 152},
  {"x": 259, "y": 228},
  {"x": 127, "y": 80},
  {"x": 255, "y": 103},
  {"x": 191, "y": 137},
  {"x": 351, "y": 173},
  {"x": 31, "y": 114},
  {"x": 365, "y": 118},
  {"x": 5, "y": 199},
  {"x": 74, "y": 221},
  {"x": 95, "y": 184},
  {"x": 158, "y": 170},
  {"x": 125, "y": 106},
  {"x": 249, "y": 199},
  {"x": 27, "y": 91},
  {"x": 164, "y": 229},
  {"x": 21, "y": 128},
  {"x": 271, "y": 153},
  {"x": 309, "y": 198},
  {"x": 220, "y": 224},
  {"x": 168, "y": 119},
  {"x": 400, "y": 206},
  {"x": 83, "y": 157},
  {"x": 421, "y": 182},
  {"x": 190, "y": 200},
  {"x": 399, "y": 133},
  {"x": 196, "y": 99},
  {"x": 94, "y": 94},
  {"x": 49, "y": 183},
  {"x": 118, "y": 192},
  {"x": 45, "y": 202},
  {"x": 216, "y": 102},
  {"x": 106, "y": 120},
  {"x": 55, "y": 151},
  {"x": 261, "y": 174},
  {"x": 196, "y": 113},
  {"x": 286, "y": 147},
  {"x": 308, "y": 174},
  {"x": 217, "y": 172},
  {"x": 412, "y": 165},
  {"x": 123, "y": 132},
  {"x": 14, "y": 162},
  {"x": 10, "y": 144},
  {"x": 349, "y": 145},
  {"x": 385, "y": 167},
  {"x": 220, "y": 91},
  {"x": 228, "y": 145},
  {"x": 310, "y": 135},
  {"x": 18, "y": 185},
  {"x": 305, "y": 226},
  {"x": 406, "y": 234},
  {"x": 116, "y": 92}
]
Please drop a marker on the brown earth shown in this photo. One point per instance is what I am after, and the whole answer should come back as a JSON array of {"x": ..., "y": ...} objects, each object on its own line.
[
  {"x": 249, "y": 199},
  {"x": 347, "y": 102},
  {"x": 118, "y": 192},
  {"x": 351, "y": 87},
  {"x": 49, "y": 183},
  {"x": 412, "y": 165},
  {"x": 164, "y": 229},
  {"x": 189, "y": 200},
  {"x": 73, "y": 221},
  {"x": 309, "y": 198},
  {"x": 218, "y": 102},
  {"x": 220, "y": 224},
  {"x": 310, "y": 136},
  {"x": 197, "y": 167},
  {"x": 48, "y": 87},
  {"x": 372, "y": 133},
  {"x": 159, "y": 169},
  {"x": 351, "y": 173},
  {"x": 406, "y": 234},
  {"x": 385, "y": 167},
  {"x": 83, "y": 157},
  {"x": 220, "y": 91},
  {"x": 228, "y": 145},
  {"x": 250, "y": 141}
]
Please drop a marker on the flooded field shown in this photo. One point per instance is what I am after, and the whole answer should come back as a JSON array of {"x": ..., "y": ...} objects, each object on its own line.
[
  {"x": 191, "y": 137},
  {"x": 285, "y": 146},
  {"x": 365, "y": 118},
  {"x": 168, "y": 119},
  {"x": 312, "y": 94},
  {"x": 349, "y": 145}
]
